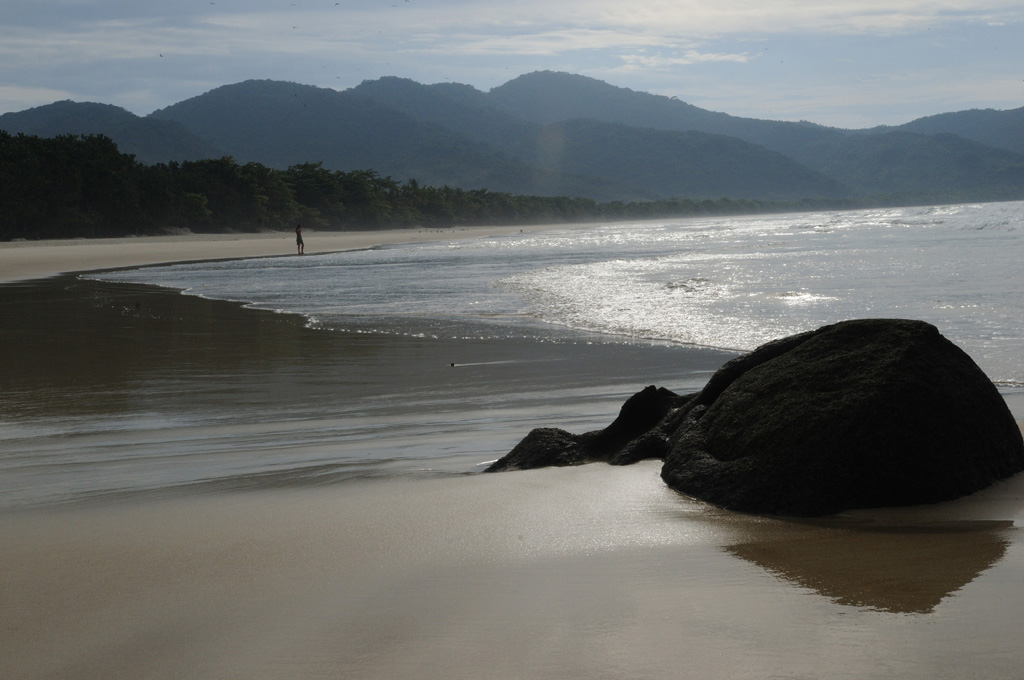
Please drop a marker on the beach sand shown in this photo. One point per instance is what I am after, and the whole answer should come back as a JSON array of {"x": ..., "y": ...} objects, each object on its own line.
[
  {"x": 132, "y": 548},
  {"x": 21, "y": 260}
]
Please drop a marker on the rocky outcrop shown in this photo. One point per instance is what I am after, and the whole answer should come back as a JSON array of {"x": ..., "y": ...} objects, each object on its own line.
[
  {"x": 866, "y": 413},
  {"x": 549, "y": 446}
]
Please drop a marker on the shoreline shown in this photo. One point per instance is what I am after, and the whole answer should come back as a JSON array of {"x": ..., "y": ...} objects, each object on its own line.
[
  {"x": 28, "y": 260},
  {"x": 25, "y": 261},
  {"x": 248, "y": 552},
  {"x": 128, "y": 377}
]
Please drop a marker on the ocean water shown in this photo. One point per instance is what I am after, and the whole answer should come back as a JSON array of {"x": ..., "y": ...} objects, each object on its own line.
[
  {"x": 725, "y": 282},
  {"x": 436, "y": 358}
]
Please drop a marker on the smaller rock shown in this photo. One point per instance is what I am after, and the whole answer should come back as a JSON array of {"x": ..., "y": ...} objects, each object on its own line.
[
  {"x": 620, "y": 443},
  {"x": 542, "y": 447}
]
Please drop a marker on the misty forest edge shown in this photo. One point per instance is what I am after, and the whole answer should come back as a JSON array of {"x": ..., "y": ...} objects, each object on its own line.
[{"x": 81, "y": 186}]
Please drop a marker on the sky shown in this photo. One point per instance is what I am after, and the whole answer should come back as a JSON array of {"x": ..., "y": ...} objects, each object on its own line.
[{"x": 844, "y": 63}]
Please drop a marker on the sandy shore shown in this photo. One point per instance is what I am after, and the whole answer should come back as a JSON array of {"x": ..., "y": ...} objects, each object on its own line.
[
  {"x": 578, "y": 573},
  {"x": 591, "y": 573},
  {"x": 37, "y": 259}
]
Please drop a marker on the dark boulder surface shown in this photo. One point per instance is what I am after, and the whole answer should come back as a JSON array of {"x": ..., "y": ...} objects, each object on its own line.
[{"x": 858, "y": 414}]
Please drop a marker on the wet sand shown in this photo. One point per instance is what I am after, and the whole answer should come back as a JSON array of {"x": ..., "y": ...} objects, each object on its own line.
[
  {"x": 588, "y": 572},
  {"x": 170, "y": 510},
  {"x": 118, "y": 389},
  {"x": 21, "y": 260}
]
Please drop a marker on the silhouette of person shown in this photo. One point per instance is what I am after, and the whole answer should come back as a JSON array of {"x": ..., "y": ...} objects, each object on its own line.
[{"x": 298, "y": 239}]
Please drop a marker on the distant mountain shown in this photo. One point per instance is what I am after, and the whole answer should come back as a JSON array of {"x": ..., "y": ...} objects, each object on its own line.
[
  {"x": 281, "y": 124},
  {"x": 444, "y": 134},
  {"x": 849, "y": 157},
  {"x": 999, "y": 129},
  {"x": 679, "y": 164},
  {"x": 923, "y": 164},
  {"x": 458, "y": 108},
  {"x": 664, "y": 163},
  {"x": 551, "y": 97},
  {"x": 549, "y": 133},
  {"x": 548, "y": 96},
  {"x": 149, "y": 140}
]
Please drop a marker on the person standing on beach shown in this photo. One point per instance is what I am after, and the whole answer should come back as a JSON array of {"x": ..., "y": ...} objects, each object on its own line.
[{"x": 298, "y": 239}]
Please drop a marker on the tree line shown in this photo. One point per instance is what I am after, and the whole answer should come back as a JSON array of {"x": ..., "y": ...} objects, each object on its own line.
[{"x": 82, "y": 186}]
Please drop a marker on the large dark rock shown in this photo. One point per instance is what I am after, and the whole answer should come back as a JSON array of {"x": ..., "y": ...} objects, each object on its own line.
[{"x": 867, "y": 413}]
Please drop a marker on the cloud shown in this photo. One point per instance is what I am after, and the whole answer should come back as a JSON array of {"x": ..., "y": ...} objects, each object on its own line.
[
  {"x": 698, "y": 19},
  {"x": 687, "y": 58},
  {"x": 110, "y": 50},
  {"x": 13, "y": 97},
  {"x": 126, "y": 30},
  {"x": 107, "y": 41}
]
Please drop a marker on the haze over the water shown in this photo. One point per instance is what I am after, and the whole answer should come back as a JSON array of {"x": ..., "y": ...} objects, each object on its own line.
[{"x": 846, "y": 64}]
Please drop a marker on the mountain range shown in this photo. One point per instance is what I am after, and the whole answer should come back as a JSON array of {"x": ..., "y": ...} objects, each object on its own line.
[{"x": 552, "y": 134}]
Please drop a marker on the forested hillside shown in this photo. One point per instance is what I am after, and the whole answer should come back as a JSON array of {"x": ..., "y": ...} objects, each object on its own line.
[
  {"x": 83, "y": 186},
  {"x": 150, "y": 140},
  {"x": 657, "y": 161},
  {"x": 999, "y": 129}
]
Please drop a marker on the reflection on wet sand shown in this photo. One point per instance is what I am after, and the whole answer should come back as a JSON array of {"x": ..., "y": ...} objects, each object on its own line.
[
  {"x": 899, "y": 569},
  {"x": 114, "y": 390}
]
